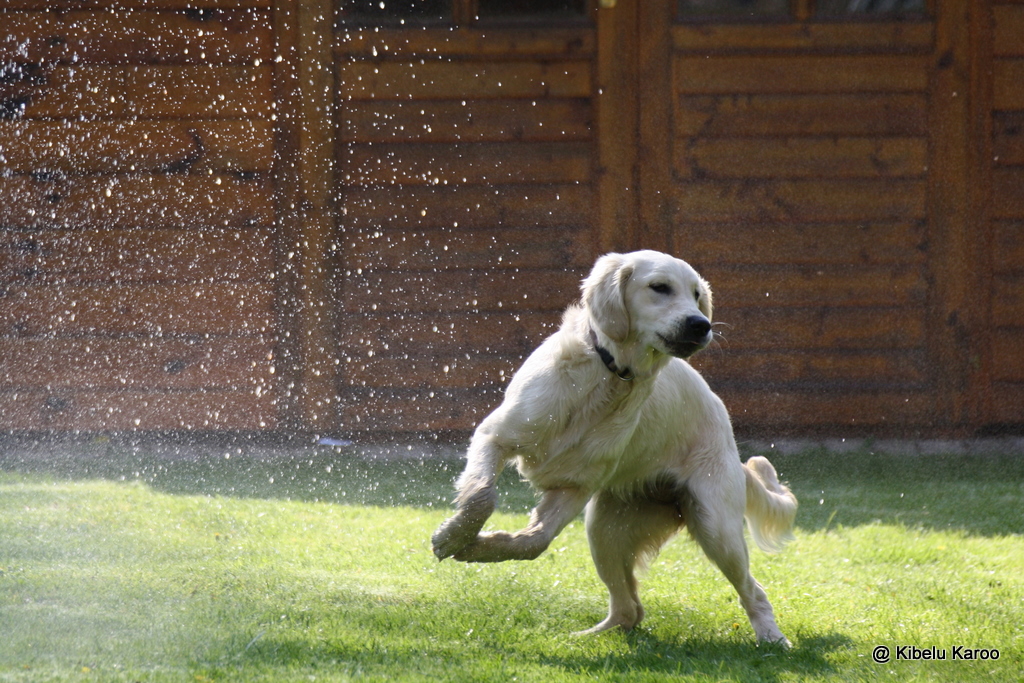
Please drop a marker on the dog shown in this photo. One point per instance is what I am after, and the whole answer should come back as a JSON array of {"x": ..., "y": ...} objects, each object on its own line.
[{"x": 606, "y": 415}]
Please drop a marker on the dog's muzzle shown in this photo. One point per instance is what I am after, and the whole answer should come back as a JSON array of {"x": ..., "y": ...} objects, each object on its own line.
[{"x": 689, "y": 336}]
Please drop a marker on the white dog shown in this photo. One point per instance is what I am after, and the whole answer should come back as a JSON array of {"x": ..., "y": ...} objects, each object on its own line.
[{"x": 605, "y": 416}]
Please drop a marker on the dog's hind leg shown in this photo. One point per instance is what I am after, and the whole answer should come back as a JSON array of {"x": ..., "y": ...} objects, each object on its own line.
[
  {"x": 715, "y": 519},
  {"x": 624, "y": 535},
  {"x": 556, "y": 509}
]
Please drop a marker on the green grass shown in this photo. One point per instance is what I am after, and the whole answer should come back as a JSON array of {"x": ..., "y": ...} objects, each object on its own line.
[{"x": 136, "y": 563}]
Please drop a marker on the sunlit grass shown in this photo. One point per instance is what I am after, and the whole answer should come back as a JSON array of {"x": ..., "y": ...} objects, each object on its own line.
[{"x": 125, "y": 564}]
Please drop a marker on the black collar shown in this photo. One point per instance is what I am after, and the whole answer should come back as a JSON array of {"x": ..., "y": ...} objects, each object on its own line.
[{"x": 608, "y": 359}]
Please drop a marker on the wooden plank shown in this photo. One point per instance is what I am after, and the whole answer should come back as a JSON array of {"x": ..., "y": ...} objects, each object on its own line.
[
  {"x": 468, "y": 163},
  {"x": 874, "y": 36},
  {"x": 452, "y": 121},
  {"x": 1007, "y": 356},
  {"x": 119, "y": 37},
  {"x": 413, "y": 411},
  {"x": 443, "y": 80},
  {"x": 806, "y": 201},
  {"x": 655, "y": 132},
  {"x": 132, "y": 363},
  {"x": 800, "y": 157},
  {"x": 132, "y": 146},
  {"x": 1008, "y": 30},
  {"x": 899, "y": 413},
  {"x": 431, "y": 372},
  {"x": 106, "y": 5},
  {"x": 515, "y": 335},
  {"x": 828, "y": 328},
  {"x": 980, "y": 152},
  {"x": 137, "y": 410},
  {"x": 618, "y": 126},
  {"x": 1008, "y": 247},
  {"x": 237, "y": 308},
  {"x": 957, "y": 206},
  {"x": 1008, "y": 84},
  {"x": 1007, "y": 198},
  {"x": 468, "y": 206},
  {"x": 122, "y": 256},
  {"x": 135, "y": 201},
  {"x": 466, "y": 42},
  {"x": 816, "y": 286},
  {"x": 785, "y": 368},
  {"x": 1008, "y": 403},
  {"x": 1007, "y": 300},
  {"x": 453, "y": 291},
  {"x": 889, "y": 114},
  {"x": 456, "y": 248},
  {"x": 1008, "y": 138},
  {"x": 824, "y": 245},
  {"x": 305, "y": 97},
  {"x": 732, "y": 74},
  {"x": 138, "y": 91}
]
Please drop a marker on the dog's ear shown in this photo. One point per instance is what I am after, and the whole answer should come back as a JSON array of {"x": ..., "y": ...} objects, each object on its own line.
[
  {"x": 704, "y": 304},
  {"x": 604, "y": 295}
]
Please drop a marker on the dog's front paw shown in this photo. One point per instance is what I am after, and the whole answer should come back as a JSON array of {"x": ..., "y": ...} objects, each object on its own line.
[
  {"x": 462, "y": 528},
  {"x": 452, "y": 536}
]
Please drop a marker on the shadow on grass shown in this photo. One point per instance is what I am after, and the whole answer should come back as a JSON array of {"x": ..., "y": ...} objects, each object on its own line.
[
  {"x": 425, "y": 638},
  {"x": 647, "y": 659},
  {"x": 977, "y": 494},
  {"x": 726, "y": 659}
]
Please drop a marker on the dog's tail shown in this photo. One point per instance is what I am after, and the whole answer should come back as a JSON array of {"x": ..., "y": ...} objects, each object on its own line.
[{"x": 771, "y": 506}]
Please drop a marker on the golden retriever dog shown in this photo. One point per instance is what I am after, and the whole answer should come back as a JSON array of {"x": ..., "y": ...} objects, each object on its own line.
[{"x": 607, "y": 415}]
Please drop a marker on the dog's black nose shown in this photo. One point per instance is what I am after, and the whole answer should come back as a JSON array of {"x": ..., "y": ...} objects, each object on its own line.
[{"x": 697, "y": 328}]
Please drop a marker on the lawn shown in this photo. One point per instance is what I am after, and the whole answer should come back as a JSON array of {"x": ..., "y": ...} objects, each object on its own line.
[{"x": 122, "y": 562}]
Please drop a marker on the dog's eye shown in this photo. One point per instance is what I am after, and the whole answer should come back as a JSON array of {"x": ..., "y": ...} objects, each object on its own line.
[
  {"x": 661, "y": 288},
  {"x": 696, "y": 295}
]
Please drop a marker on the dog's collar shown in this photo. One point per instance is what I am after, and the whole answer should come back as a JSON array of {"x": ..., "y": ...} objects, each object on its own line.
[{"x": 625, "y": 374}]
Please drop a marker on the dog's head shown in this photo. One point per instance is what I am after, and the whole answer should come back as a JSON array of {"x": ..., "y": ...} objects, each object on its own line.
[{"x": 651, "y": 298}]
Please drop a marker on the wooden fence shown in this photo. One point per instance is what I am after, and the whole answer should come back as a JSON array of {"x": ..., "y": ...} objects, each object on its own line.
[{"x": 290, "y": 215}]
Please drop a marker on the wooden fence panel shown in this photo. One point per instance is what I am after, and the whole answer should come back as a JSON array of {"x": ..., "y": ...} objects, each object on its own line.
[
  {"x": 448, "y": 249},
  {"x": 138, "y": 262},
  {"x": 454, "y": 290},
  {"x": 233, "y": 309},
  {"x": 119, "y": 256},
  {"x": 468, "y": 206},
  {"x": 489, "y": 163},
  {"x": 107, "y": 5},
  {"x": 450, "y": 121},
  {"x": 141, "y": 364},
  {"x": 184, "y": 146},
  {"x": 842, "y": 114},
  {"x": 434, "y": 80},
  {"x": 1008, "y": 84},
  {"x": 800, "y": 74},
  {"x": 801, "y": 156},
  {"x": 801, "y": 201},
  {"x": 126, "y": 201},
  {"x": 143, "y": 91},
  {"x": 133, "y": 37},
  {"x": 86, "y": 410},
  {"x": 156, "y": 158},
  {"x": 1007, "y": 29},
  {"x": 466, "y": 175},
  {"x": 1008, "y": 138}
]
